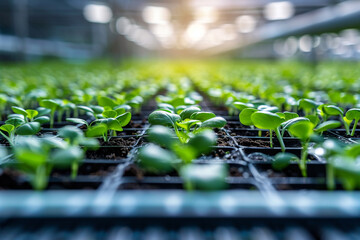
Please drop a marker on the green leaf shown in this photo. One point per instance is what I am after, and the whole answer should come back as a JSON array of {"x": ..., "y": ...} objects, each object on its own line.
[
  {"x": 314, "y": 119},
  {"x": 266, "y": 120},
  {"x": 241, "y": 106},
  {"x": 155, "y": 159},
  {"x": 202, "y": 116},
  {"x": 31, "y": 113},
  {"x": 49, "y": 104},
  {"x": 65, "y": 157},
  {"x": 97, "y": 130},
  {"x": 70, "y": 132},
  {"x": 15, "y": 122},
  {"x": 29, "y": 151},
  {"x": 216, "y": 122},
  {"x": 307, "y": 104},
  {"x": 282, "y": 160},
  {"x": 89, "y": 143},
  {"x": 266, "y": 108},
  {"x": 186, "y": 113},
  {"x": 245, "y": 116},
  {"x": 186, "y": 124},
  {"x": 124, "y": 119},
  {"x": 110, "y": 114},
  {"x": 204, "y": 177},
  {"x": 333, "y": 110},
  {"x": 42, "y": 119},
  {"x": 353, "y": 114},
  {"x": 302, "y": 130},
  {"x": 185, "y": 152},
  {"x": 77, "y": 120},
  {"x": 7, "y": 128},
  {"x": 86, "y": 109},
  {"x": 203, "y": 142},
  {"x": 161, "y": 135},
  {"x": 106, "y": 101},
  {"x": 285, "y": 125},
  {"x": 19, "y": 110},
  {"x": 163, "y": 118},
  {"x": 290, "y": 115},
  {"x": 113, "y": 124},
  {"x": 119, "y": 110},
  {"x": 332, "y": 124},
  {"x": 30, "y": 128}
]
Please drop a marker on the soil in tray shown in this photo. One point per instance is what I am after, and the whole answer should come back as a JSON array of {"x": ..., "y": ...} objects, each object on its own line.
[
  {"x": 109, "y": 152},
  {"x": 292, "y": 171},
  {"x": 120, "y": 141},
  {"x": 136, "y": 124},
  {"x": 223, "y": 153},
  {"x": 265, "y": 142},
  {"x": 224, "y": 141}
]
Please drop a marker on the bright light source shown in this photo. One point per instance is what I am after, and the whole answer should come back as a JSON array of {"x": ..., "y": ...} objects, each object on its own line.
[
  {"x": 123, "y": 25},
  {"x": 279, "y": 10},
  {"x": 245, "y": 23},
  {"x": 305, "y": 43},
  {"x": 156, "y": 15},
  {"x": 97, "y": 13},
  {"x": 206, "y": 14},
  {"x": 194, "y": 33}
]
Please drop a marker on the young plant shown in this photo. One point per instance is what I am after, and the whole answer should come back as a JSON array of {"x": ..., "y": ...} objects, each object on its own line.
[
  {"x": 16, "y": 125},
  {"x": 308, "y": 106},
  {"x": 53, "y": 105},
  {"x": 303, "y": 130},
  {"x": 38, "y": 156},
  {"x": 352, "y": 114},
  {"x": 166, "y": 153},
  {"x": 109, "y": 124},
  {"x": 327, "y": 110},
  {"x": 75, "y": 138},
  {"x": 190, "y": 121},
  {"x": 331, "y": 124},
  {"x": 270, "y": 121}
]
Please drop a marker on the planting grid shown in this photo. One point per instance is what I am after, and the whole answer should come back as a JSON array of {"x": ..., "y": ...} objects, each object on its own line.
[{"x": 247, "y": 155}]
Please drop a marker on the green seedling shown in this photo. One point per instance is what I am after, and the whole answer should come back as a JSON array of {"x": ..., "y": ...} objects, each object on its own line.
[
  {"x": 308, "y": 106},
  {"x": 190, "y": 121},
  {"x": 303, "y": 130},
  {"x": 53, "y": 105},
  {"x": 270, "y": 121},
  {"x": 352, "y": 114},
  {"x": 75, "y": 138},
  {"x": 328, "y": 110},
  {"x": 37, "y": 157},
  {"x": 282, "y": 160},
  {"x": 331, "y": 124}
]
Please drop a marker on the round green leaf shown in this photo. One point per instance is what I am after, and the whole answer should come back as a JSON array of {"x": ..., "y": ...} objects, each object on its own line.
[
  {"x": 77, "y": 120},
  {"x": 245, "y": 116},
  {"x": 302, "y": 130},
  {"x": 203, "y": 141},
  {"x": 19, "y": 110},
  {"x": 97, "y": 130},
  {"x": 163, "y": 118},
  {"x": 156, "y": 159},
  {"x": 241, "y": 106},
  {"x": 124, "y": 119},
  {"x": 216, "y": 122},
  {"x": 332, "y": 124},
  {"x": 266, "y": 120},
  {"x": 65, "y": 157},
  {"x": 186, "y": 113},
  {"x": 31, "y": 113},
  {"x": 30, "y": 128},
  {"x": 7, "y": 128},
  {"x": 70, "y": 132},
  {"x": 202, "y": 116},
  {"x": 282, "y": 160},
  {"x": 333, "y": 110},
  {"x": 109, "y": 114},
  {"x": 161, "y": 135},
  {"x": 353, "y": 114}
]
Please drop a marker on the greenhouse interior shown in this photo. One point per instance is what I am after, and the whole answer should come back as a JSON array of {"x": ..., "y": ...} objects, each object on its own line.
[{"x": 186, "y": 119}]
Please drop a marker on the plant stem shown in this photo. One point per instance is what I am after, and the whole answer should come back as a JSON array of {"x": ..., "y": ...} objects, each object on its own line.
[
  {"x": 354, "y": 128},
  {"x": 271, "y": 141},
  {"x": 7, "y": 138},
  {"x": 259, "y": 133},
  {"x": 52, "y": 116},
  {"x": 280, "y": 139},
  {"x": 347, "y": 128},
  {"x": 40, "y": 178},
  {"x": 330, "y": 178},
  {"x": 304, "y": 154},
  {"x": 74, "y": 170}
]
